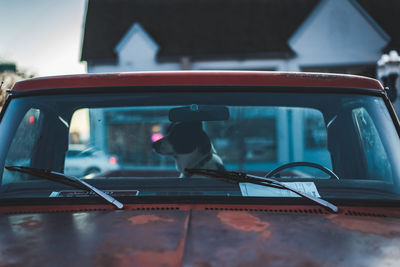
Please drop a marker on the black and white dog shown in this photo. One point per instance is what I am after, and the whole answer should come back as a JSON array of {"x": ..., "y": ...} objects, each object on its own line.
[{"x": 190, "y": 146}]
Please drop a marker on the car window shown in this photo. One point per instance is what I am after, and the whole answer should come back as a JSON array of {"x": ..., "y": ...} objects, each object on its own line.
[
  {"x": 23, "y": 144},
  {"x": 254, "y": 138}
]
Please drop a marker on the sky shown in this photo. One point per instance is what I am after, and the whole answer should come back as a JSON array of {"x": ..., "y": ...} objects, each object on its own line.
[{"x": 43, "y": 37}]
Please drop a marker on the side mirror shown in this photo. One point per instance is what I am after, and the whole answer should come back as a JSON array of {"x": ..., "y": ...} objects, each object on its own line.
[{"x": 389, "y": 82}]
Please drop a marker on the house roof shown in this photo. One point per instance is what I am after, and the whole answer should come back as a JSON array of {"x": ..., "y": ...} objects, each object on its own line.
[
  {"x": 206, "y": 28},
  {"x": 261, "y": 78},
  {"x": 386, "y": 15}
]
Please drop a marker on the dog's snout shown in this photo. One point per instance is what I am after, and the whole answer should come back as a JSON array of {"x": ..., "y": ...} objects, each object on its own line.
[{"x": 163, "y": 147}]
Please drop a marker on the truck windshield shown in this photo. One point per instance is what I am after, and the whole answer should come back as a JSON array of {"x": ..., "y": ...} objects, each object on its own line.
[{"x": 144, "y": 142}]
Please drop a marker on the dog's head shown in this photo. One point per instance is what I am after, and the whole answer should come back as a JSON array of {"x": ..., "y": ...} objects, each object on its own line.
[{"x": 183, "y": 138}]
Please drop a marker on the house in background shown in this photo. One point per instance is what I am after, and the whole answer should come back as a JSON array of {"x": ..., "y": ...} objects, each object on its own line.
[
  {"x": 346, "y": 36},
  {"x": 340, "y": 36}
]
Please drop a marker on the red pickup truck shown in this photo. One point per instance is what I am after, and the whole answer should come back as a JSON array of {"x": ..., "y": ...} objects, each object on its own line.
[{"x": 214, "y": 169}]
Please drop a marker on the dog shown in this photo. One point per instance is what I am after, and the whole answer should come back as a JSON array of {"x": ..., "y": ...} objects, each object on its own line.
[{"x": 190, "y": 146}]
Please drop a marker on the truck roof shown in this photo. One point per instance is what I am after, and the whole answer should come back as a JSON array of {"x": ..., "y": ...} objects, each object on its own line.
[{"x": 251, "y": 78}]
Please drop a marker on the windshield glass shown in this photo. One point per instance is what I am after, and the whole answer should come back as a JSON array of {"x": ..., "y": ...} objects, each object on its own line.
[{"x": 143, "y": 142}]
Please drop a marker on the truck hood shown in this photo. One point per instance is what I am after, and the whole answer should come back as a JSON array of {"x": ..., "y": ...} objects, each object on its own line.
[{"x": 210, "y": 237}]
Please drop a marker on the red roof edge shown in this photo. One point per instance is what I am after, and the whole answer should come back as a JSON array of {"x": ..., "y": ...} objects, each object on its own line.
[{"x": 301, "y": 79}]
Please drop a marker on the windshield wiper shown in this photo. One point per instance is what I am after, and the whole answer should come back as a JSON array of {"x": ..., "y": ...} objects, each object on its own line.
[
  {"x": 65, "y": 179},
  {"x": 242, "y": 177}
]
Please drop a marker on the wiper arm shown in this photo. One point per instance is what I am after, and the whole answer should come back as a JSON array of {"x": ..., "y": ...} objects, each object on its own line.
[
  {"x": 242, "y": 177},
  {"x": 65, "y": 179}
]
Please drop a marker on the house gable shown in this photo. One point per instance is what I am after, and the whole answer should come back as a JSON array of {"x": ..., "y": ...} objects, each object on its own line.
[
  {"x": 137, "y": 48},
  {"x": 339, "y": 33}
]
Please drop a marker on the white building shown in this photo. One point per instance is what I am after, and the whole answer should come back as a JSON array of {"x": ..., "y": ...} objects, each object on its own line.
[{"x": 287, "y": 35}]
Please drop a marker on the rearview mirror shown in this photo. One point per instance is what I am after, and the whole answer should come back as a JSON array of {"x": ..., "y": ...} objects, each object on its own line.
[{"x": 199, "y": 113}]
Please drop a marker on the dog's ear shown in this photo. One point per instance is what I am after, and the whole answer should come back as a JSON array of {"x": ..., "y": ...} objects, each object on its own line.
[
  {"x": 183, "y": 127},
  {"x": 199, "y": 137},
  {"x": 171, "y": 127},
  {"x": 204, "y": 143},
  {"x": 183, "y": 136}
]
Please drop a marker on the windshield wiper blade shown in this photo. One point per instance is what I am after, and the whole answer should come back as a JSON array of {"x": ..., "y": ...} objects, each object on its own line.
[
  {"x": 65, "y": 179},
  {"x": 242, "y": 177}
]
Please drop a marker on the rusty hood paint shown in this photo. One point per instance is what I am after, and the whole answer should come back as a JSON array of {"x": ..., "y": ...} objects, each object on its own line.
[{"x": 198, "y": 238}]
